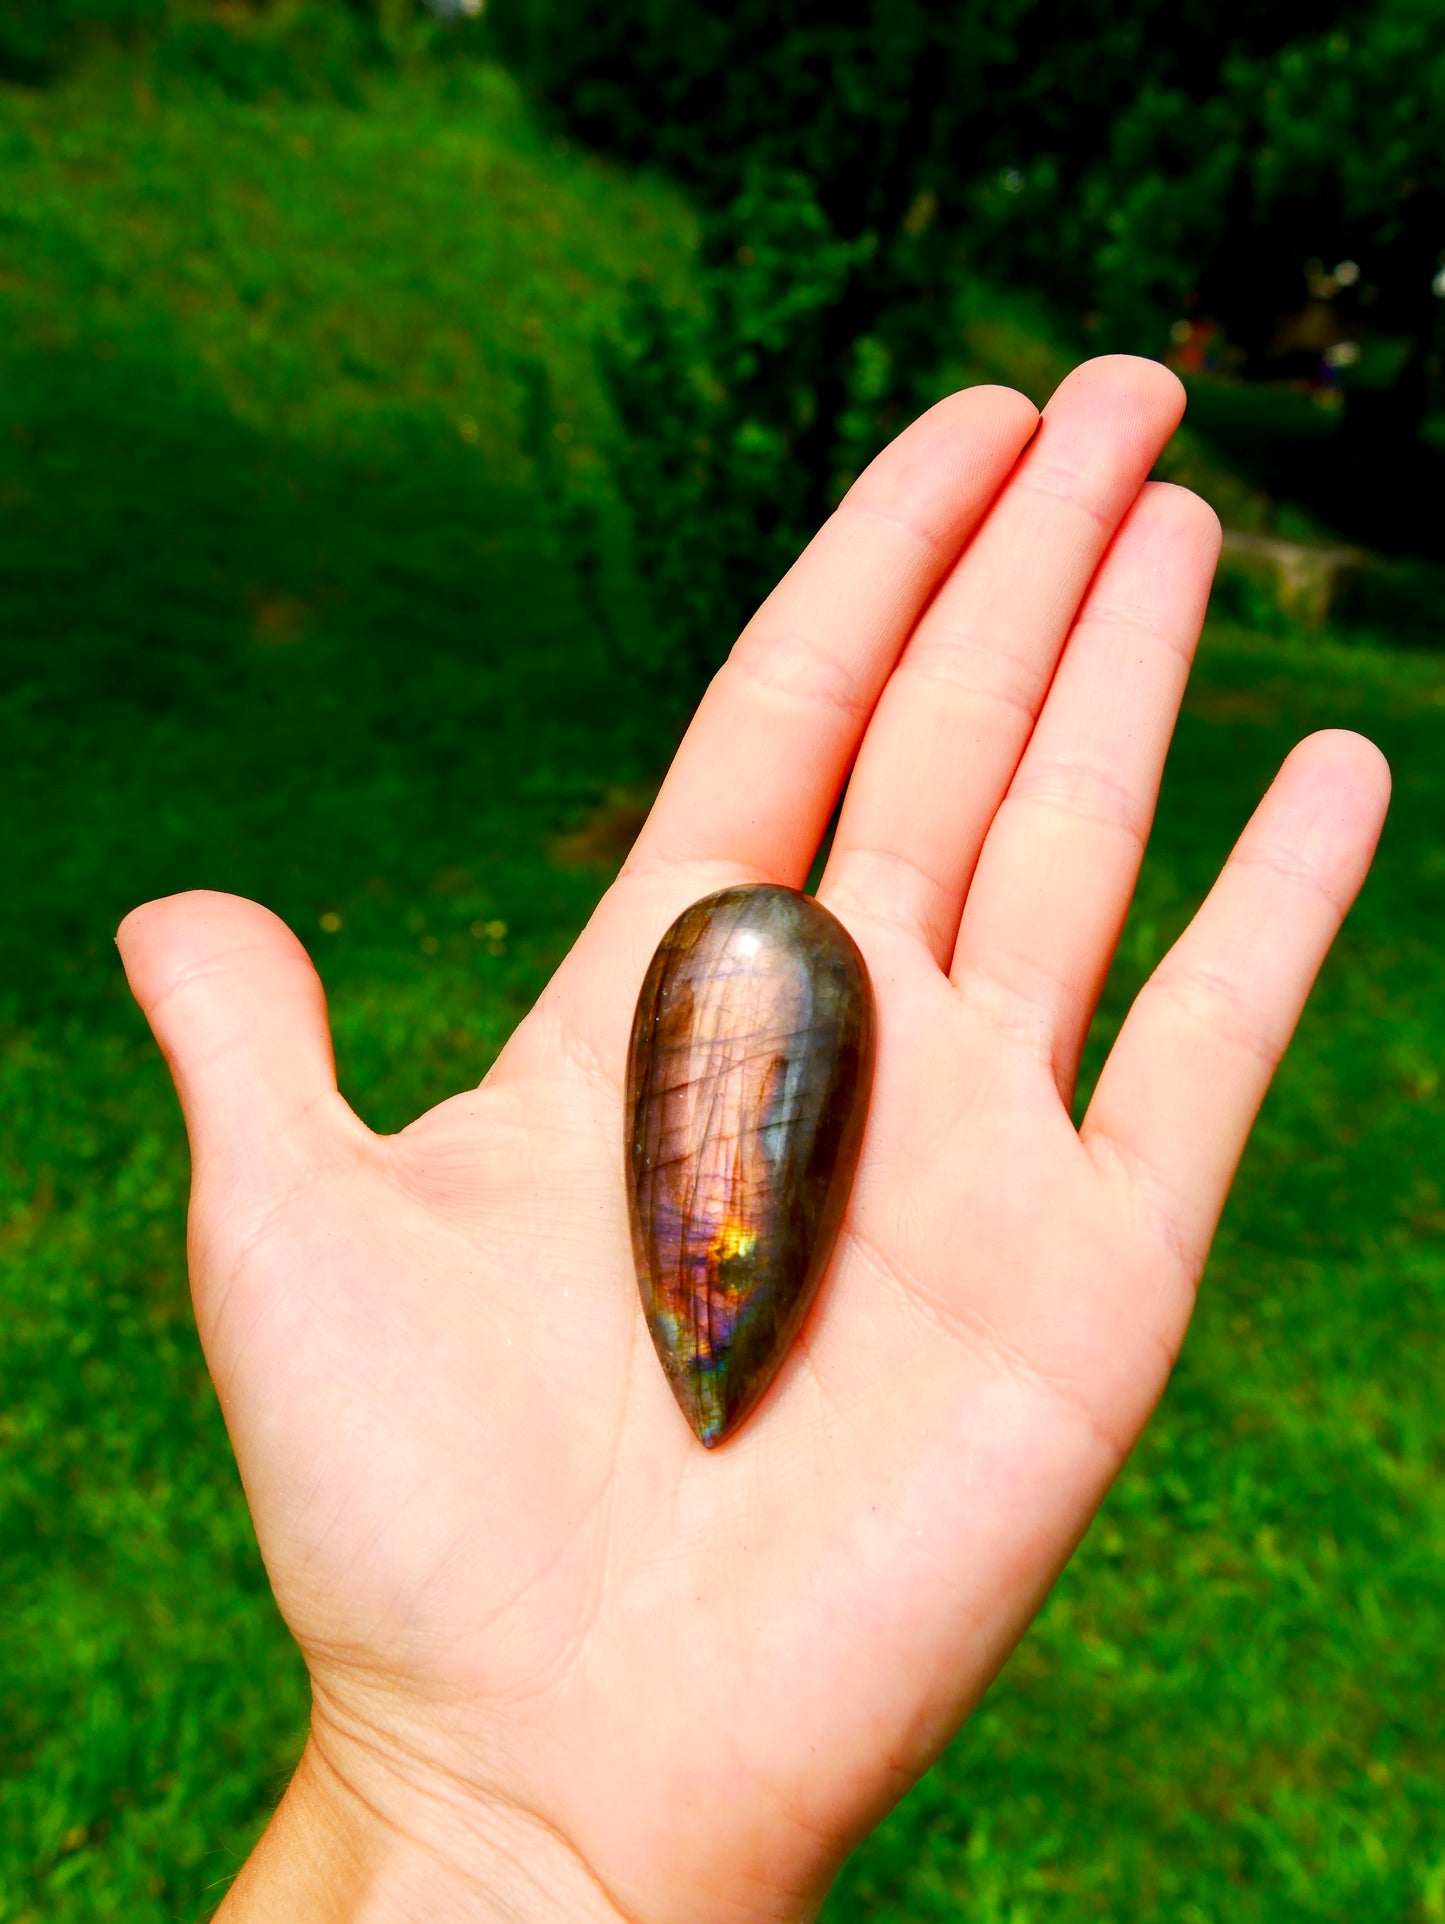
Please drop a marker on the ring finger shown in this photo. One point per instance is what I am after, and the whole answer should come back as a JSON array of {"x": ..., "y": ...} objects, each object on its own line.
[{"x": 1058, "y": 867}]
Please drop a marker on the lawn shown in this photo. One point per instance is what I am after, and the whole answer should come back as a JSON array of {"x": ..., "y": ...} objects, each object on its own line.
[{"x": 282, "y": 613}]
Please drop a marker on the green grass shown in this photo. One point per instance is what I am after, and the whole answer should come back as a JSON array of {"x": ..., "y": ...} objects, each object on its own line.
[{"x": 282, "y": 613}]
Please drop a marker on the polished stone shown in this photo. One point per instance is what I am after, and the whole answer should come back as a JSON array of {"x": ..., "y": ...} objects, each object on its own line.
[{"x": 748, "y": 1078}]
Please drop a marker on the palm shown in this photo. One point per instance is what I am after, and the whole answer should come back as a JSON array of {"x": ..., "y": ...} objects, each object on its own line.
[{"x": 488, "y": 1525}]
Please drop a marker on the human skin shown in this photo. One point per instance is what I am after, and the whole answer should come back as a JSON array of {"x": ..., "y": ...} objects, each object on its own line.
[{"x": 565, "y": 1662}]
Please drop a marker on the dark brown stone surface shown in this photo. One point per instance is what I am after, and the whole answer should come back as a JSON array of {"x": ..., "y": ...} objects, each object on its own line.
[{"x": 747, "y": 1085}]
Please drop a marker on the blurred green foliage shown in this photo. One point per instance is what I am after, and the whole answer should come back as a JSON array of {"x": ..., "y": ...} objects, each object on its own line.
[
  {"x": 1331, "y": 146},
  {"x": 857, "y": 167},
  {"x": 858, "y": 171},
  {"x": 1105, "y": 152}
]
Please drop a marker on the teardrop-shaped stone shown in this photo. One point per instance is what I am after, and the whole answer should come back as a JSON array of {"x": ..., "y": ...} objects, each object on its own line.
[{"x": 748, "y": 1077}]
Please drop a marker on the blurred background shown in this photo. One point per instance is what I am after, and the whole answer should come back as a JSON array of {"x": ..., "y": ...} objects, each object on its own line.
[{"x": 401, "y": 407}]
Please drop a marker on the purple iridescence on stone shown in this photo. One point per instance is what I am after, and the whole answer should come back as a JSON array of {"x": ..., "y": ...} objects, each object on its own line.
[{"x": 748, "y": 1078}]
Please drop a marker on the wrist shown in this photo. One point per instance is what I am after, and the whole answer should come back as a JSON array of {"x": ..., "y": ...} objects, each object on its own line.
[{"x": 352, "y": 1843}]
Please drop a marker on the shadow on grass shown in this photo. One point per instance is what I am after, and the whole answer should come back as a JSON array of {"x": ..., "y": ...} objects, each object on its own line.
[{"x": 300, "y": 673}]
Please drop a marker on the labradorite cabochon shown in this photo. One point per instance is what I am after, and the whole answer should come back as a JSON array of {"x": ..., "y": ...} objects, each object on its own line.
[{"x": 748, "y": 1077}]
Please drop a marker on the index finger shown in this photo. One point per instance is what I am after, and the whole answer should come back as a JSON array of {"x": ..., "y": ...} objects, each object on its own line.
[{"x": 762, "y": 764}]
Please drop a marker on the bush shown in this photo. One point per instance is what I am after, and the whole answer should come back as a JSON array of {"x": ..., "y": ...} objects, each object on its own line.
[{"x": 743, "y": 417}]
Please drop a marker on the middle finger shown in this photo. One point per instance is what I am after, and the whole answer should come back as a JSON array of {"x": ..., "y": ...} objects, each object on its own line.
[{"x": 958, "y": 710}]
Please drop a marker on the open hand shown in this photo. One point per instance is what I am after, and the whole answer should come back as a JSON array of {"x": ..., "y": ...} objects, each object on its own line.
[{"x": 565, "y": 1662}]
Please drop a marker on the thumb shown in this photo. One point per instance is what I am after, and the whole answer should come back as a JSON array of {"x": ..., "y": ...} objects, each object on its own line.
[{"x": 240, "y": 1016}]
